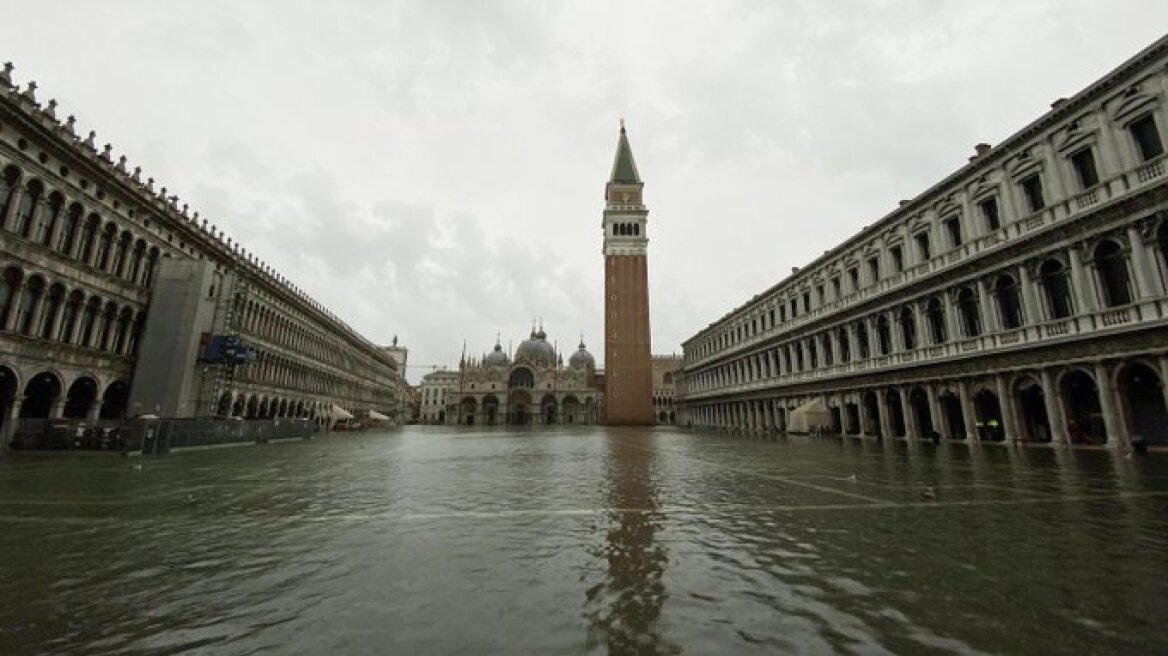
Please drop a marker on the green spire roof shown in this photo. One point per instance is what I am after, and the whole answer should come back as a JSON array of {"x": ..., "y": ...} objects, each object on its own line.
[{"x": 624, "y": 169}]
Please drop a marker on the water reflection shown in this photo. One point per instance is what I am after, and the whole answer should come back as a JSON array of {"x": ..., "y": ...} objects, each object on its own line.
[{"x": 625, "y": 608}]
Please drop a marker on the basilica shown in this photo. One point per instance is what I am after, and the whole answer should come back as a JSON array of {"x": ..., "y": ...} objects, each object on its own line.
[{"x": 531, "y": 387}]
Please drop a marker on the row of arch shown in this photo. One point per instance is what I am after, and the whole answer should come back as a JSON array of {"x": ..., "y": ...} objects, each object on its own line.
[
  {"x": 45, "y": 217},
  {"x": 995, "y": 203},
  {"x": 45, "y": 395},
  {"x": 521, "y": 410},
  {"x": 35, "y": 306},
  {"x": 1003, "y": 301},
  {"x": 626, "y": 229},
  {"x": 1082, "y": 404}
]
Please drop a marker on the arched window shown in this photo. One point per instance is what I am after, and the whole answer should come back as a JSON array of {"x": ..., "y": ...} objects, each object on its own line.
[
  {"x": 151, "y": 266},
  {"x": 935, "y": 316},
  {"x": 136, "y": 261},
  {"x": 845, "y": 349},
  {"x": 105, "y": 336},
  {"x": 30, "y": 298},
  {"x": 1056, "y": 287},
  {"x": 522, "y": 377},
  {"x": 968, "y": 308},
  {"x": 88, "y": 238},
  {"x": 862, "y": 339},
  {"x": 89, "y": 321},
  {"x": 68, "y": 239},
  {"x": 26, "y": 207},
  {"x": 908, "y": 328},
  {"x": 812, "y": 354},
  {"x": 49, "y": 218},
  {"x": 1162, "y": 247},
  {"x": 883, "y": 335},
  {"x": 105, "y": 246},
  {"x": 8, "y": 284},
  {"x": 636, "y": 229},
  {"x": 1009, "y": 305},
  {"x": 1111, "y": 265},
  {"x": 121, "y": 250},
  {"x": 70, "y": 316},
  {"x": 49, "y": 313},
  {"x": 828, "y": 355},
  {"x": 8, "y": 186}
]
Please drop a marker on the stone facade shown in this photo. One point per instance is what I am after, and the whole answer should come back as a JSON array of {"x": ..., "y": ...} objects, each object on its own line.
[
  {"x": 1022, "y": 298},
  {"x": 534, "y": 387},
  {"x": 81, "y": 239},
  {"x": 436, "y": 388},
  {"x": 665, "y": 370},
  {"x": 628, "y": 391}
]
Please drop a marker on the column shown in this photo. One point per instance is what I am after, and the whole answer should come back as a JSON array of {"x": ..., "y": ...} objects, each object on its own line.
[
  {"x": 967, "y": 411},
  {"x": 1006, "y": 403},
  {"x": 939, "y": 423},
  {"x": 853, "y": 343},
  {"x": 14, "y": 310},
  {"x": 1147, "y": 282},
  {"x": 18, "y": 192},
  {"x": 1117, "y": 437},
  {"x": 1083, "y": 287},
  {"x": 11, "y": 419},
  {"x": 911, "y": 429},
  {"x": 873, "y": 339},
  {"x": 985, "y": 304},
  {"x": 1030, "y": 314},
  {"x": 1054, "y": 408},
  {"x": 885, "y": 419},
  {"x": 949, "y": 306}
]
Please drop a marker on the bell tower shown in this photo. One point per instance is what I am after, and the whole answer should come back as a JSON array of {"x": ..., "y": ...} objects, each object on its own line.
[{"x": 628, "y": 393}]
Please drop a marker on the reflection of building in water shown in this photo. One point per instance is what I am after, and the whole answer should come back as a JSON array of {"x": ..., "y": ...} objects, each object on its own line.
[
  {"x": 664, "y": 369},
  {"x": 533, "y": 388},
  {"x": 626, "y": 606},
  {"x": 1023, "y": 297}
]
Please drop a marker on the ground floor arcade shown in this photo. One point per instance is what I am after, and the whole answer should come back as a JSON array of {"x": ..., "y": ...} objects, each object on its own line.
[{"x": 1105, "y": 403}]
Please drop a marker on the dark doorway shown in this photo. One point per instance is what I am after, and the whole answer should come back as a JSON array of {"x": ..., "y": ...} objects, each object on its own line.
[{"x": 1143, "y": 397}]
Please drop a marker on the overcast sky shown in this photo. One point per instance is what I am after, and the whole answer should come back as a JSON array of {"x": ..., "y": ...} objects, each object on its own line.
[{"x": 435, "y": 170}]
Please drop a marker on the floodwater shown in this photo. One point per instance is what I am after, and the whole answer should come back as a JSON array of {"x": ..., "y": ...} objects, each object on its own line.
[{"x": 429, "y": 540}]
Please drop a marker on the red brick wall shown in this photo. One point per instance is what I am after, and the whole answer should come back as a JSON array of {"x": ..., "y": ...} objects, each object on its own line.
[{"x": 628, "y": 393}]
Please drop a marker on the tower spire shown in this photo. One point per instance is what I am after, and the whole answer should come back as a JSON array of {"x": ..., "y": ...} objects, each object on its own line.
[{"x": 624, "y": 168}]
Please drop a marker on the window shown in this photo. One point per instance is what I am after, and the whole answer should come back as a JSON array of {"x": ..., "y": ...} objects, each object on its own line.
[
  {"x": 897, "y": 254},
  {"x": 953, "y": 229},
  {"x": 1009, "y": 304},
  {"x": 819, "y": 294},
  {"x": 845, "y": 349},
  {"x": 908, "y": 328},
  {"x": 794, "y": 308},
  {"x": 782, "y": 313},
  {"x": 968, "y": 308},
  {"x": 935, "y": 316},
  {"x": 1147, "y": 138},
  {"x": 923, "y": 246},
  {"x": 1032, "y": 188},
  {"x": 883, "y": 335},
  {"x": 806, "y": 301},
  {"x": 1084, "y": 165},
  {"x": 772, "y": 315},
  {"x": 854, "y": 277},
  {"x": 862, "y": 338},
  {"x": 835, "y": 288},
  {"x": 874, "y": 268},
  {"x": 1111, "y": 265},
  {"x": 989, "y": 211}
]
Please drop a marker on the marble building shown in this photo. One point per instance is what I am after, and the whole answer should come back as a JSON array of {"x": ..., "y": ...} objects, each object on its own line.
[
  {"x": 1021, "y": 298},
  {"x": 531, "y": 387},
  {"x": 84, "y": 242}
]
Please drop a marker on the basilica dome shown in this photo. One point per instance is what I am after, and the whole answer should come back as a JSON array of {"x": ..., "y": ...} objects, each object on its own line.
[
  {"x": 537, "y": 350},
  {"x": 497, "y": 358},
  {"x": 582, "y": 359}
]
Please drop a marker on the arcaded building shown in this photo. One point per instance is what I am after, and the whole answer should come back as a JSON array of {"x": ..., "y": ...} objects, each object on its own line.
[
  {"x": 1020, "y": 298},
  {"x": 532, "y": 387},
  {"x": 99, "y": 263},
  {"x": 665, "y": 371}
]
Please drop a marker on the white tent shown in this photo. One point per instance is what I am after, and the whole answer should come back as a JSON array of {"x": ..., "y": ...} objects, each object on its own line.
[
  {"x": 812, "y": 413},
  {"x": 337, "y": 413},
  {"x": 377, "y": 416}
]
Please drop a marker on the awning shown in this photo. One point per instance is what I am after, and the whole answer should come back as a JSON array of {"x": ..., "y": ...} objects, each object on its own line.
[
  {"x": 377, "y": 416},
  {"x": 337, "y": 412},
  {"x": 812, "y": 413}
]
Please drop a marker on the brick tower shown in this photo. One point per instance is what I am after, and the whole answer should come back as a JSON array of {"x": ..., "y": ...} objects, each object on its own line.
[{"x": 628, "y": 393}]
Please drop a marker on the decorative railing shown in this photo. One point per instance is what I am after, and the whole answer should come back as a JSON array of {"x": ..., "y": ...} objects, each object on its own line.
[{"x": 1052, "y": 215}]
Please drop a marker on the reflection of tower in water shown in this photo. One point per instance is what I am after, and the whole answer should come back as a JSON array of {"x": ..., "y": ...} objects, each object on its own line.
[{"x": 625, "y": 607}]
